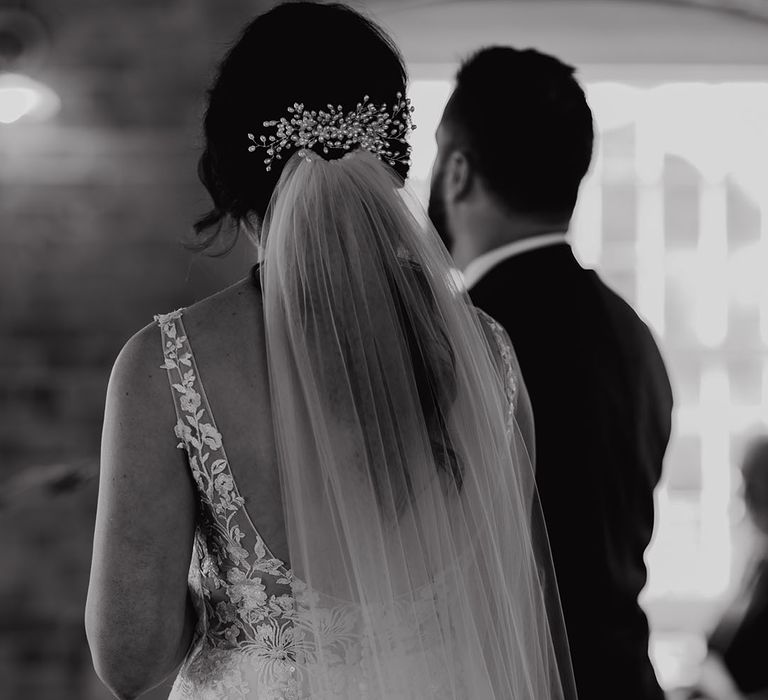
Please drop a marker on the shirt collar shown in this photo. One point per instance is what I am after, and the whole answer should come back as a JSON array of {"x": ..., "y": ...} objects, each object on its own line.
[{"x": 484, "y": 263}]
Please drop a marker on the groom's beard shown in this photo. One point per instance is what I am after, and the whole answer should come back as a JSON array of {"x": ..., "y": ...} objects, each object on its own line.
[{"x": 437, "y": 214}]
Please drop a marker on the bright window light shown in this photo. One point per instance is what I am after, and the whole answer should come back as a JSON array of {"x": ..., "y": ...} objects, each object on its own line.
[{"x": 690, "y": 253}]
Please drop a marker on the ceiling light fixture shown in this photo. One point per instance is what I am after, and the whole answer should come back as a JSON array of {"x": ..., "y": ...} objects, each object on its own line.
[{"x": 23, "y": 41}]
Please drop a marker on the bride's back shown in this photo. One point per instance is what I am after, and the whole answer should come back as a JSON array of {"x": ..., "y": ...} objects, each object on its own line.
[
  {"x": 347, "y": 409},
  {"x": 226, "y": 336}
]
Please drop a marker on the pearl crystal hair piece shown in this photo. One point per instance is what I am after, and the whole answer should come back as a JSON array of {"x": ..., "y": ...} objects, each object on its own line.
[{"x": 368, "y": 126}]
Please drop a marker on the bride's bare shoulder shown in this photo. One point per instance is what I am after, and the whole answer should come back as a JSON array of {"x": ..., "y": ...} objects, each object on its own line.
[
  {"x": 232, "y": 310},
  {"x": 213, "y": 323}
]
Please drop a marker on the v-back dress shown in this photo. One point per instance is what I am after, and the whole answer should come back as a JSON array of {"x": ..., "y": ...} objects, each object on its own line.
[{"x": 248, "y": 603}]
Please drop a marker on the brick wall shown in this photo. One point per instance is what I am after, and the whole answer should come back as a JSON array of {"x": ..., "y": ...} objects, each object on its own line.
[{"x": 92, "y": 206}]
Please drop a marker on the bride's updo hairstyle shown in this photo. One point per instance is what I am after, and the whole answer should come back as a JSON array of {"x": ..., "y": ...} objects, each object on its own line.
[
  {"x": 313, "y": 54},
  {"x": 304, "y": 52}
]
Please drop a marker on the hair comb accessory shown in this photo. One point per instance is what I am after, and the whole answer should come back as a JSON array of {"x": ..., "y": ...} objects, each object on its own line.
[{"x": 368, "y": 126}]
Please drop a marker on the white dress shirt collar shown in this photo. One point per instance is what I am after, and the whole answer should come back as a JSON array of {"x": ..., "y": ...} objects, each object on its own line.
[{"x": 484, "y": 263}]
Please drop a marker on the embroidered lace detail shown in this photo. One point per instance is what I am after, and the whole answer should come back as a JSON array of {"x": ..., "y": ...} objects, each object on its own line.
[
  {"x": 256, "y": 621},
  {"x": 509, "y": 364},
  {"x": 244, "y": 642}
]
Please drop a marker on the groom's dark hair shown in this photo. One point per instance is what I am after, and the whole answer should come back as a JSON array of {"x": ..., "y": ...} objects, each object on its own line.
[{"x": 523, "y": 121}]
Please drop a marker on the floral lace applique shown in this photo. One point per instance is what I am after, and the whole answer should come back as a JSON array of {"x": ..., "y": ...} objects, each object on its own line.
[
  {"x": 257, "y": 622},
  {"x": 510, "y": 375},
  {"x": 242, "y": 593}
]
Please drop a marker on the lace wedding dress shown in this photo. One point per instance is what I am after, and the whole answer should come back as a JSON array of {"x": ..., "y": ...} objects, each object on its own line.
[
  {"x": 253, "y": 639},
  {"x": 419, "y": 566}
]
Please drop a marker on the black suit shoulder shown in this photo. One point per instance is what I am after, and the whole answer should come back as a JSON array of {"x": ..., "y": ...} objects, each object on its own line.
[
  {"x": 547, "y": 301},
  {"x": 639, "y": 346}
]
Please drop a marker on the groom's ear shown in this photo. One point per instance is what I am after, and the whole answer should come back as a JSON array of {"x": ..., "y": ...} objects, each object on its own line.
[{"x": 458, "y": 176}]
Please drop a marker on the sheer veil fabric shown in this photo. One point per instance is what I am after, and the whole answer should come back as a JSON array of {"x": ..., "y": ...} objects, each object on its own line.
[{"x": 420, "y": 562}]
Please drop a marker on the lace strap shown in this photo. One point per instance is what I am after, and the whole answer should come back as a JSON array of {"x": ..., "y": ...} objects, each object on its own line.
[
  {"x": 197, "y": 434},
  {"x": 509, "y": 364},
  {"x": 195, "y": 427},
  {"x": 178, "y": 364}
]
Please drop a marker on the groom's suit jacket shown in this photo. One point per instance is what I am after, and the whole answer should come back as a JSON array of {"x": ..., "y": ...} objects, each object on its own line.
[{"x": 602, "y": 410}]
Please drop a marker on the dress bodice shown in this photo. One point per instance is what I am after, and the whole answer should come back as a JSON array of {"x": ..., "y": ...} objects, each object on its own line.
[
  {"x": 250, "y": 640},
  {"x": 244, "y": 597}
]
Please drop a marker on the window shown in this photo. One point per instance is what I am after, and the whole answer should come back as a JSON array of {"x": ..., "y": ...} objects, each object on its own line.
[{"x": 674, "y": 214}]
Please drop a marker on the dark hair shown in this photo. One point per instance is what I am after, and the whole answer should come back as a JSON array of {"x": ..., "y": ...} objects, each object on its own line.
[
  {"x": 304, "y": 52},
  {"x": 434, "y": 370},
  {"x": 524, "y": 123},
  {"x": 755, "y": 475}
]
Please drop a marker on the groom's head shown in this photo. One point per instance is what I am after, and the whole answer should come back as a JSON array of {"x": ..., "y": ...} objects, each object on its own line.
[{"x": 516, "y": 135}]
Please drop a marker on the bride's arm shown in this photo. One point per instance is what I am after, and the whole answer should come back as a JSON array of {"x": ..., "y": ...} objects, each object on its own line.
[{"x": 138, "y": 617}]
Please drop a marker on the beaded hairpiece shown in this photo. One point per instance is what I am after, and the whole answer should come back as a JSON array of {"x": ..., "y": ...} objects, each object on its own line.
[{"x": 368, "y": 126}]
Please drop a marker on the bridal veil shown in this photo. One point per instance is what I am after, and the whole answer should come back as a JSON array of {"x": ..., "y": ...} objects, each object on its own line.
[{"x": 420, "y": 562}]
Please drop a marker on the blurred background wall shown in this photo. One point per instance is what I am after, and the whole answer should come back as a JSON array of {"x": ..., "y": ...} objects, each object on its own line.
[
  {"x": 93, "y": 202},
  {"x": 95, "y": 197}
]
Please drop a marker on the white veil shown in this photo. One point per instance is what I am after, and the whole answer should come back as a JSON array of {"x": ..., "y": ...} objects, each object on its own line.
[{"x": 421, "y": 568}]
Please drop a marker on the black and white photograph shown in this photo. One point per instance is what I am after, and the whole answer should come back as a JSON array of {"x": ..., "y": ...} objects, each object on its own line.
[{"x": 384, "y": 349}]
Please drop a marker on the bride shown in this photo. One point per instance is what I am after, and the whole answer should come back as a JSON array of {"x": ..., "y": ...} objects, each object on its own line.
[{"x": 318, "y": 483}]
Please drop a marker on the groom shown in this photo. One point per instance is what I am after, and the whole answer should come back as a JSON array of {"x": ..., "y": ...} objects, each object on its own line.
[{"x": 514, "y": 142}]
